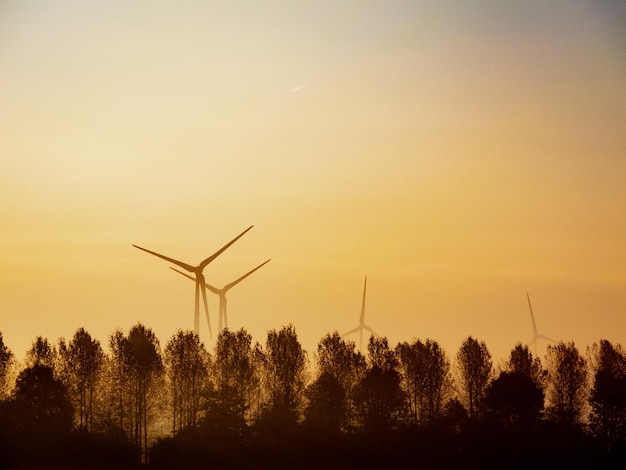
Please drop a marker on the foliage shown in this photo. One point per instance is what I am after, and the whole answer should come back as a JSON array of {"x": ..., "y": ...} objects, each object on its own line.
[
  {"x": 608, "y": 395},
  {"x": 515, "y": 399},
  {"x": 81, "y": 365},
  {"x": 7, "y": 361},
  {"x": 326, "y": 407},
  {"x": 137, "y": 380},
  {"x": 340, "y": 359},
  {"x": 425, "y": 373},
  {"x": 236, "y": 377},
  {"x": 567, "y": 383},
  {"x": 41, "y": 353},
  {"x": 284, "y": 377},
  {"x": 474, "y": 369},
  {"x": 379, "y": 396},
  {"x": 187, "y": 365},
  {"x": 521, "y": 361}
]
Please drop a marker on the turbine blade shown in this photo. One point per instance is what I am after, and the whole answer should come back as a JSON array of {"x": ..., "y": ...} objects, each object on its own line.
[
  {"x": 234, "y": 283},
  {"x": 532, "y": 316},
  {"x": 221, "y": 250},
  {"x": 354, "y": 330},
  {"x": 185, "y": 266},
  {"x": 362, "y": 320},
  {"x": 370, "y": 330},
  {"x": 206, "y": 311},
  {"x": 184, "y": 274},
  {"x": 546, "y": 338}
]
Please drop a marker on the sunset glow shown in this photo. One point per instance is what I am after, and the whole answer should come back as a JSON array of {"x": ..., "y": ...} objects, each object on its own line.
[{"x": 460, "y": 157}]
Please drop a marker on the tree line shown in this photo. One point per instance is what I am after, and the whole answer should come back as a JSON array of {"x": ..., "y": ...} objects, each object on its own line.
[{"x": 76, "y": 403}]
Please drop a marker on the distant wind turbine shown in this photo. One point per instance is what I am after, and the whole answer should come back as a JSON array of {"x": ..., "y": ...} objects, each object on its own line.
[
  {"x": 199, "y": 279},
  {"x": 536, "y": 334},
  {"x": 222, "y": 293},
  {"x": 362, "y": 326}
]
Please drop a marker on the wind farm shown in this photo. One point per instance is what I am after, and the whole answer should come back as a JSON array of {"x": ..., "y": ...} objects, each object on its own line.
[
  {"x": 223, "y": 305},
  {"x": 200, "y": 286}
]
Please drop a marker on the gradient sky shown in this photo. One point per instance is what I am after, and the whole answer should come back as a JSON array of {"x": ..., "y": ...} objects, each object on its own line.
[{"x": 459, "y": 154}]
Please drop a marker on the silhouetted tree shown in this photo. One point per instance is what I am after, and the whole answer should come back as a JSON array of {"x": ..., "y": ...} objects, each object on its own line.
[
  {"x": 42, "y": 404},
  {"x": 515, "y": 399},
  {"x": 36, "y": 420},
  {"x": 340, "y": 359},
  {"x": 474, "y": 370},
  {"x": 187, "y": 364},
  {"x": 521, "y": 361},
  {"x": 284, "y": 377},
  {"x": 118, "y": 380},
  {"x": 567, "y": 383},
  {"x": 137, "y": 370},
  {"x": 145, "y": 372},
  {"x": 379, "y": 396},
  {"x": 454, "y": 415},
  {"x": 41, "y": 353},
  {"x": 6, "y": 365},
  {"x": 608, "y": 395},
  {"x": 237, "y": 378},
  {"x": 326, "y": 405},
  {"x": 82, "y": 363},
  {"x": 425, "y": 373}
]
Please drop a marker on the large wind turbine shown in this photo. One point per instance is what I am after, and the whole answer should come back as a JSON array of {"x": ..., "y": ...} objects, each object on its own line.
[
  {"x": 199, "y": 279},
  {"x": 362, "y": 326},
  {"x": 222, "y": 293},
  {"x": 536, "y": 334}
]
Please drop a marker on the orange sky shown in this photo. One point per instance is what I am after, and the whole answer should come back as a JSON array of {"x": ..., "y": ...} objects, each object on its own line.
[{"x": 459, "y": 156}]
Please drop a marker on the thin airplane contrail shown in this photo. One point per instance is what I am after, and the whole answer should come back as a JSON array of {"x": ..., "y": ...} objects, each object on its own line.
[{"x": 298, "y": 88}]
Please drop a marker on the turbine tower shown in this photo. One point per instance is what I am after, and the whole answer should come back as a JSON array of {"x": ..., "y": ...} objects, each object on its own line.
[
  {"x": 362, "y": 326},
  {"x": 199, "y": 279},
  {"x": 223, "y": 317},
  {"x": 536, "y": 334}
]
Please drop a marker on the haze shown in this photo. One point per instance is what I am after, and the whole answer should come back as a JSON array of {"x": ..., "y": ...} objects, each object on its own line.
[{"x": 458, "y": 155}]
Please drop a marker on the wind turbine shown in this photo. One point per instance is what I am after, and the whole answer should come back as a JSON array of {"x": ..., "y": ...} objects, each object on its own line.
[
  {"x": 536, "y": 334},
  {"x": 199, "y": 278},
  {"x": 222, "y": 292},
  {"x": 362, "y": 326}
]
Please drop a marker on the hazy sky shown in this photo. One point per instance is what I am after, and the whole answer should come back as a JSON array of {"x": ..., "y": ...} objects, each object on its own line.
[{"x": 459, "y": 154}]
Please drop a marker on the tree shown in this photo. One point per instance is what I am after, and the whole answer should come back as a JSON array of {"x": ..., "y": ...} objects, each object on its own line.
[
  {"x": 284, "y": 377},
  {"x": 41, "y": 353},
  {"x": 7, "y": 361},
  {"x": 521, "y": 361},
  {"x": 42, "y": 405},
  {"x": 187, "y": 364},
  {"x": 137, "y": 370},
  {"x": 474, "y": 369},
  {"x": 237, "y": 379},
  {"x": 36, "y": 421},
  {"x": 340, "y": 360},
  {"x": 326, "y": 407},
  {"x": 567, "y": 383},
  {"x": 608, "y": 395},
  {"x": 379, "y": 396},
  {"x": 82, "y": 362},
  {"x": 425, "y": 373},
  {"x": 515, "y": 399},
  {"x": 117, "y": 378}
]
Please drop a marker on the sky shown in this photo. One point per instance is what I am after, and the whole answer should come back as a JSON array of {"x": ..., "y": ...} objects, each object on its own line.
[{"x": 458, "y": 154}]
